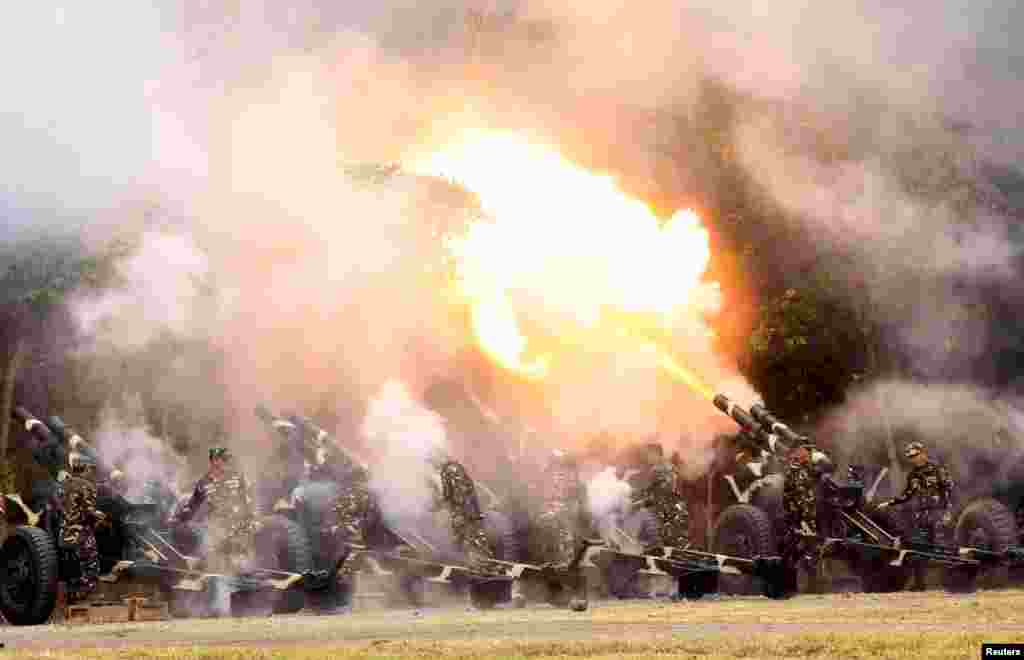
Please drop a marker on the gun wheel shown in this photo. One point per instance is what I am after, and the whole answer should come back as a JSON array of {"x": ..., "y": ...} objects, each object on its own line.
[
  {"x": 986, "y": 524},
  {"x": 28, "y": 568},
  {"x": 743, "y": 530}
]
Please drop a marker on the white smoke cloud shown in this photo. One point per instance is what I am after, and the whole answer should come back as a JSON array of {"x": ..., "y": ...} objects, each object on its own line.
[
  {"x": 141, "y": 456},
  {"x": 977, "y": 435},
  {"x": 402, "y": 433},
  {"x": 608, "y": 499},
  {"x": 159, "y": 291}
]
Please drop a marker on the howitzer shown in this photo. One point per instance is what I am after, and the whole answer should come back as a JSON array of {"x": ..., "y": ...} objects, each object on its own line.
[{"x": 766, "y": 434}]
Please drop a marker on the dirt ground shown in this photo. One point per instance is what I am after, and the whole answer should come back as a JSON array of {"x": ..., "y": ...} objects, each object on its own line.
[{"x": 990, "y": 612}]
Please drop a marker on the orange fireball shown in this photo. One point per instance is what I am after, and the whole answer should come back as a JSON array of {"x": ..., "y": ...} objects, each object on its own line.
[{"x": 565, "y": 238}]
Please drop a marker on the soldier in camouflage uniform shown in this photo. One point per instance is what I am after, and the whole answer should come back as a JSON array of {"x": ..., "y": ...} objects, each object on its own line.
[
  {"x": 561, "y": 507},
  {"x": 929, "y": 489},
  {"x": 326, "y": 462},
  {"x": 78, "y": 486},
  {"x": 799, "y": 504},
  {"x": 656, "y": 490},
  {"x": 230, "y": 516},
  {"x": 457, "y": 495},
  {"x": 71, "y": 490}
]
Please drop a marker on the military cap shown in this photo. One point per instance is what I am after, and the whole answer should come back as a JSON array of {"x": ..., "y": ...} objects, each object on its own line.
[
  {"x": 913, "y": 449},
  {"x": 220, "y": 452}
]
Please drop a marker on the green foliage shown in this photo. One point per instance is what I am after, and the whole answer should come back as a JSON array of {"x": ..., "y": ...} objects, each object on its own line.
[{"x": 807, "y": 348}]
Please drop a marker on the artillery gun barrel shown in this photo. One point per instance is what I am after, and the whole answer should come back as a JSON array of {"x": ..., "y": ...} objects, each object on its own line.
[
  {"x": 772, "y": 424},
  {"x": 757, "y": 428},
  {"x": 325, "y": 437},
  {"x": 738, "y": 414}
]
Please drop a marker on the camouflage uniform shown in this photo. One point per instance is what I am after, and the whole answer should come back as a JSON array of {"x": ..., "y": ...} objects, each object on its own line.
[
  {"x": 799, "y": 505},
  {"x": 559, "y": 519},
  {"x": 660, "y": 496},
  {"x": 353, "y": 501},
  {"x": 230, "y": 521},
  {"x": 930, "y": 488},
  {"x": 458, "y": 496},
  {"x": 73, "y": 463}
]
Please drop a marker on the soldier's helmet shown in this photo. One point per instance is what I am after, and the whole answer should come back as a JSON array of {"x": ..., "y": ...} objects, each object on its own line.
[
  {"x": 220, "y": 452},
  {"x": 913, "y": 449}
]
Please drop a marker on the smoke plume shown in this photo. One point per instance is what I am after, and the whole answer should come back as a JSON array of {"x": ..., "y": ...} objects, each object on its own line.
[
  {"x": 607, "y": 499},
  {"x": 141, "y": 457},
  {"x": 977, "y": 435},
  {"x": 402, "y": 434},
  {"x": 159, "y": 291}
]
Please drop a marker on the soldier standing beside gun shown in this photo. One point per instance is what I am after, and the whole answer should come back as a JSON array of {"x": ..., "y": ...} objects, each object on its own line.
[
  {"x": 327, "y": 463},
  {"x": 559, "y": 519},
  {"x": 353, "y": 500},
  {"x": 72, "y": 466},
  {"x": 78, "y": 485},
  {"x": 658, "y": 493},
  {"x": 230, "y": 518},
  {"x": 930, "y": 491},
  {"x": 800, "y": 507},
  {"x": 458, "y": 496}
]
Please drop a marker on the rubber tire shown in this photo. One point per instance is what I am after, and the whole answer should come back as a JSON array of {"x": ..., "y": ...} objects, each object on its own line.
[
  {"x": 997, "y": 525},
  {"x": 291, "y": 552},
  {"x": 756, "y": 526},
  {"x": 42, "y": 553},
  {"x": 504, "y": 536},
  {"x": 991, "y": 517}
]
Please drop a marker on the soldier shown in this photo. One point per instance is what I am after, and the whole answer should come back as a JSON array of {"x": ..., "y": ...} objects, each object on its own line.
[
  {"x": 352, "y": 501},
  {"x": 78, "y": 533},
  {"x": 658, "y": 493},
  {"x": 930, "y": 491},
  {"x": 799, "y": 504},
  {"x": 457, "y": 495},
  {"x": 561, "y": 507},
  {"x": 230, "y": 519}
]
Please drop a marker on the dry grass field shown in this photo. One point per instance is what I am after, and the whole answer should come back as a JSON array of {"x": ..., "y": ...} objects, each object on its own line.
[{"x": 923, "y": 626}]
